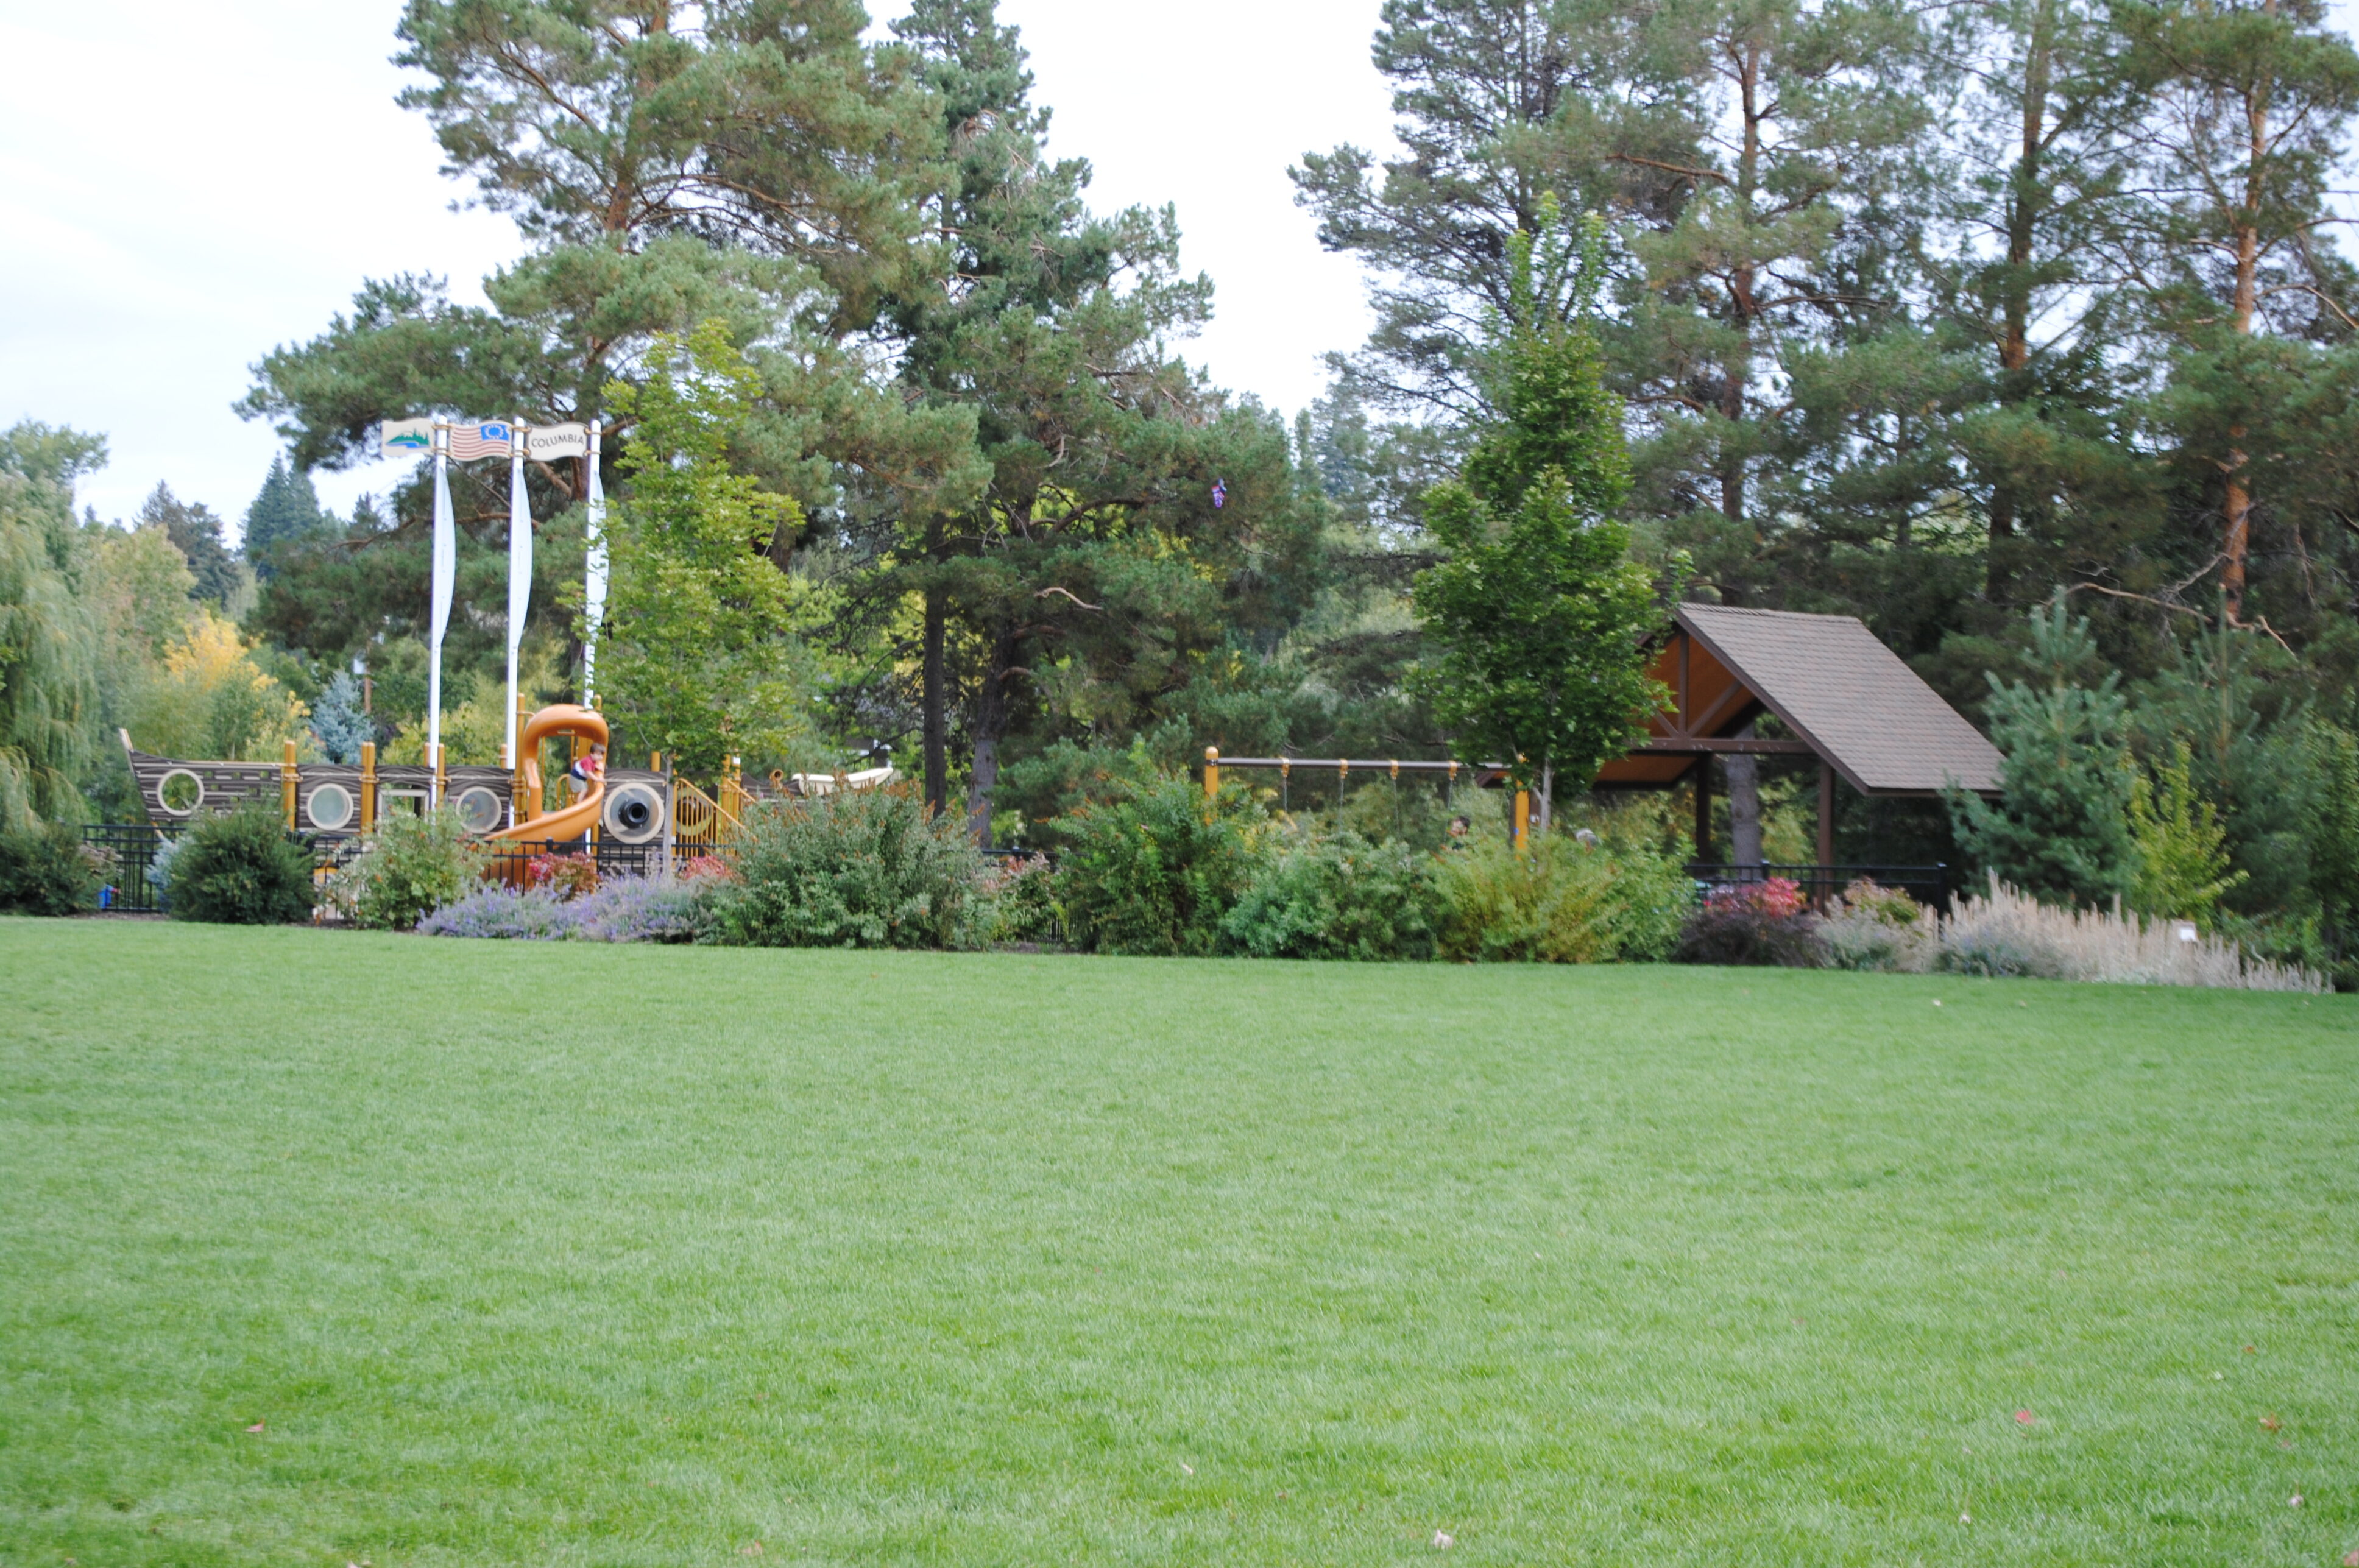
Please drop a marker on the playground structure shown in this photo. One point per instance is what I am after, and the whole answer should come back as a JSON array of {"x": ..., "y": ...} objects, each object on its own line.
[{"x": 643, "y": 821}]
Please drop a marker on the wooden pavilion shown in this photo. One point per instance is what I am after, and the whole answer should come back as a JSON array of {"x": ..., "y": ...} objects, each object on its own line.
[{"x": 1843, "y": 696}]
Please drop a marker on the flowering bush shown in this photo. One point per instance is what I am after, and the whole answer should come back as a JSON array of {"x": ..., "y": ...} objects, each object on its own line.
[
  {"x": 647, "y": 908},
  {"x": 564, "y": 876},
  {"x": 499, "y": 910},
  {"x": 412, "y": 864},
  {"x": 624, "y": 908},
  {"x": 1754, "y": 922}
]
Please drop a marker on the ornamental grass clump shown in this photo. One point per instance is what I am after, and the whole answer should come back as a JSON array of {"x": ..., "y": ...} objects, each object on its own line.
[
  {"x": 2005, "y": 933},
  {"x": 1339, "y": 897},
  {"x": 857, "y": 868},
  {"x": 1880, "y": 929},
  {"x": 243, "y": 868},
  {"x": 1764, "y": 923}
]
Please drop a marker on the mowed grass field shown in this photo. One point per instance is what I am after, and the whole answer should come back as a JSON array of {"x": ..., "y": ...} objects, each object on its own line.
[{"x": 322, "y": 1248}]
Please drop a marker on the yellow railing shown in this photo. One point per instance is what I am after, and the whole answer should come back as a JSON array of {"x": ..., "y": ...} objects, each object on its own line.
[{"x": 700, "y": 824}]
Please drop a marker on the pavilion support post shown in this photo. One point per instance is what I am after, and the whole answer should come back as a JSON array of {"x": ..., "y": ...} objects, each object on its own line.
[
  {"x": 1703, "y": 810},
  {"x": 1827, "y": 825}
]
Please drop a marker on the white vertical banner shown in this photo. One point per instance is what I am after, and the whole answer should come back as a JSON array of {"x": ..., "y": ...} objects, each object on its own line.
[
  {"x": 520, "y": 581},
  {"x": 444, "y": 578},
  {"x": 593, "y": 586}
]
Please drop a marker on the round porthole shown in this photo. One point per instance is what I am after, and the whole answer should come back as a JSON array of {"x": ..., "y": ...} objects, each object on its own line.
[
  {"x": 330, "y": 807},
  {"x": 179, "y": 793},
  {"x": 479, "y": 808},
  {"x": 635, "y": 812}
]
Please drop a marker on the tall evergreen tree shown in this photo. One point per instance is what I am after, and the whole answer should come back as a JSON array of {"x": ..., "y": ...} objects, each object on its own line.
[
  {"x": 2037, "y": 287},
  {"x": 285, "y": 511},
  {"x": 2252, "y": 105},
  {"x": 1126, "y": 517}
]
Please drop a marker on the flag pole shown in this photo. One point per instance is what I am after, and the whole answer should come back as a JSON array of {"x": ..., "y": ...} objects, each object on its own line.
[
  {"x": 441, "y": 580},
  {"x": 519, "y": 576},
  {"x": 593, "y": 595}
]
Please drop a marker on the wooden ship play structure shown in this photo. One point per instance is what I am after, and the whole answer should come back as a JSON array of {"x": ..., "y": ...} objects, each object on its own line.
[{"x": 630, "y": 819}]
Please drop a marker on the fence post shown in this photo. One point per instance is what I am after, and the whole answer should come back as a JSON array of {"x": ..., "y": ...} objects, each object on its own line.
[
  {"x": 368, "y": 786},
  {"x": 1523, "y": 818},
  {"x": 287, "y": 776}
]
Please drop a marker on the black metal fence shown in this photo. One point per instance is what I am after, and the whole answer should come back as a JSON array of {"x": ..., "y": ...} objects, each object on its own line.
[
  {"x": 1929, "y": 885},
  {"x": 511, "y": 857},
  {"x": 126, "y": 851}
]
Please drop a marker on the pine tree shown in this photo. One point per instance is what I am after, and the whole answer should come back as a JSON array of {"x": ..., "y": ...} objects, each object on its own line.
[
  {"x": 2252, "y": 106},
  {"x": 2059, "y": 829},
  {"x": 337, "y": 722},
  {"x": 1092, "y": 560},
  {"x": 285, "y": 512}
]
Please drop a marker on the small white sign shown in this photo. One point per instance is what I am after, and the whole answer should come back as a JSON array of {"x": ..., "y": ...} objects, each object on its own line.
[
  {"x": 547, "y": 443},
  {"x": 407, "y": 435}
]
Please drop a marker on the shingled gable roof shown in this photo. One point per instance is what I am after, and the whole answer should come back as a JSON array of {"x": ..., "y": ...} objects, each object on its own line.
[{"x": 1850, "y": 697}]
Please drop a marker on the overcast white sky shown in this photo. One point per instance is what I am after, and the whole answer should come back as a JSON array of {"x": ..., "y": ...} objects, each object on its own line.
[{"x": 184, "y": 186}]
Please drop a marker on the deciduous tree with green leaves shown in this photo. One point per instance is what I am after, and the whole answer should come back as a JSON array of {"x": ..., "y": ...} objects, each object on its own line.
[
  {"x": 49, "y": 653},
  {"x": 1538, "y": 621},
  {"x": 699, "y": 658}
]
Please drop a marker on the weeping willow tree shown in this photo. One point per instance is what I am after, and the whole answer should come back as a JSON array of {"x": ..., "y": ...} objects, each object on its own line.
[{"x": 48, "y": 643}]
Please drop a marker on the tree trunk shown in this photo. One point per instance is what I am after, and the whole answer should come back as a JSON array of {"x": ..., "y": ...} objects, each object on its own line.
[
  {"x": 2238, "y": 500},
  {"x": 937, "y": 764},
  {"x": 991, "y": 714},
  {"x": 1548, "y": 795},
  {"x": 2022, "y": 233},
  {"x": 1743, "y": 301}
]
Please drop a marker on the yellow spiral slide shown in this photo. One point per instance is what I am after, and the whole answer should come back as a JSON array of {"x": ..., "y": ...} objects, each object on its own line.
[{"x": 569, "y": 822}]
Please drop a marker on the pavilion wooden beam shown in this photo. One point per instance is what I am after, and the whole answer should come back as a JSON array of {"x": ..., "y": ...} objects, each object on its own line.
[{"x": 1714, "y": 745}]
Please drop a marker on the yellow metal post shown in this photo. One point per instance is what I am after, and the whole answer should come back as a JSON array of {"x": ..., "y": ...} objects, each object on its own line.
[
  {"x": 1523, "y": 818},
  {"x": 521, "y": 808},
  {"x": 368, "y": 786},
  {"x": 287, "y": 775},
  {"x": 439, "y": 780},
  {"x": 1211, "y": 776}
]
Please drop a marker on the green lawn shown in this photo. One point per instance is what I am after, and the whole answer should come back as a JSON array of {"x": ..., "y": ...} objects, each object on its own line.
[{"x": 561, "y": 1255}]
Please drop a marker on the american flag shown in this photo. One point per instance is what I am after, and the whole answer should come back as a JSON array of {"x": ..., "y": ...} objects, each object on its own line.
[{"x": 492, "y": 438}]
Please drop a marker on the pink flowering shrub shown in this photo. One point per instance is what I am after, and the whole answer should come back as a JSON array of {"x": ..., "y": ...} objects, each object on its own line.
[{"x": 1765, "y": 922}]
